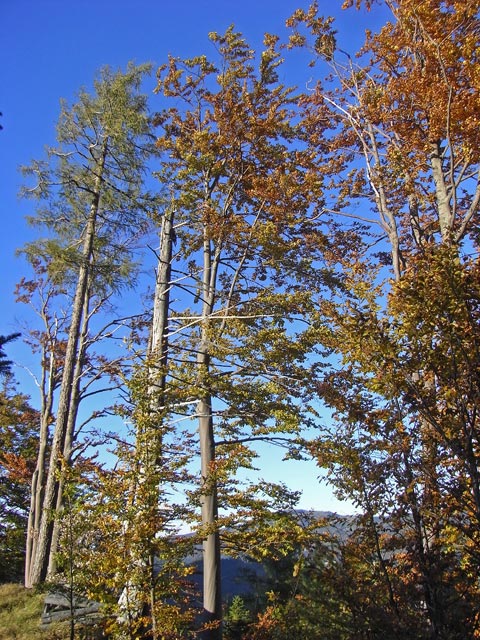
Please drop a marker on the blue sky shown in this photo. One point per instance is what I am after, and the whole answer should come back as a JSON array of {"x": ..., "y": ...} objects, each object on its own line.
[{"x": 51, "y": 48}]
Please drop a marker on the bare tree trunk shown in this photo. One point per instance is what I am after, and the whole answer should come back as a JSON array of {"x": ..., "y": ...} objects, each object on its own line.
[
  {"x": 212, "y": 593},
  {"x": 158, "y": 354},
  {"x": 443, "y": 197},
  {"x": 212, "y": 600},
  {"x": 47, "y": 388},
  {"x": 40, "y": 561},
  {"x": 161, "y": 305},
  {"x": 36, "y": 498},
  {"x": 70, "y": 435},
  {"x": 150, "y": 439}
]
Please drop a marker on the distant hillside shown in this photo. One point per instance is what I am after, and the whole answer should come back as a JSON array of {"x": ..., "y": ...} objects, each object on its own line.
[{"x": 243, "y": 576}]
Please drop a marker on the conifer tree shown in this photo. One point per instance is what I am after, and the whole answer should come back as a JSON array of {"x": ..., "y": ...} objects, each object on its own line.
[
  {"x": 91, "y": 195},
  {"x": 6, "y": 364}
]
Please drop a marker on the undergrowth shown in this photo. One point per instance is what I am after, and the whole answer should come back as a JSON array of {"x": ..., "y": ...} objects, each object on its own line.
[{"x": 20, "y": 612}]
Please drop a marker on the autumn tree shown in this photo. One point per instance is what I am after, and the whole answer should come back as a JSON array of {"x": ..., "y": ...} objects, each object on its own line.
[
  {"x": 238, "y": 346},
  {"x": 394, "y": 133},
  {"x": 119, "y": 550},
  {"x": 47, "y": 340},
  {"x": 154, "y": 560},
  {"x": 398, "y": 126},
  {"x": 93, "y": 184},
  {"x": 18, "y": 446}
]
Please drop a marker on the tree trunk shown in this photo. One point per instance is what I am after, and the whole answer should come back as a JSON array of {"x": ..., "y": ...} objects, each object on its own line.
[
  {"x": 70, "y": 434},
  {"x": 158, "y": 361},
  {"x": 40, "y": 561},
  {"x": 212, "y": 593},
  {"x": 212, "y": 600},
  {"x": 149, "y": 439},
  {"x": 159, "y": 338},
  {"x": 36, "y": 498},
  {"x": 442, "y": 196},
  {"x": 37, "y": 484}
]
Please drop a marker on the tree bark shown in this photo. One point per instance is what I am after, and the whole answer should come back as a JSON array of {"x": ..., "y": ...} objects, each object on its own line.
[
  {"x": 161, "y": 305},
  {"x": 158, "y": 361},
  {"x": 212, "y": 593},
  {"x": 149, "y": 439},
  {"x": 47, "y": 388},
  {"x": 70, "y": 434},
  {"x": 442, "y": 196}
]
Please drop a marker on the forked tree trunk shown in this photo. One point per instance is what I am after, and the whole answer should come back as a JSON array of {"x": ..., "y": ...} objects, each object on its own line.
[
  {"x": 69, "y": 437},
  {"x": 39, "y": 563},
  {"x": 47, "y": 387},
  {"x": 36, "y": 499}
]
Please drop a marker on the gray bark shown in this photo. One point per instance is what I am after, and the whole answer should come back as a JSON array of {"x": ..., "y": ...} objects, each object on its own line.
[
  {"x": 149, "y": 442},
  {"x": 158, "y": 357},
  {"x": 212, "y": 595},
  {"x": 47, "y": 387},
  {"x": 159, "y": 339},
  {"x": 70, "y": 435},
  {"x": 443, "y": 197}
]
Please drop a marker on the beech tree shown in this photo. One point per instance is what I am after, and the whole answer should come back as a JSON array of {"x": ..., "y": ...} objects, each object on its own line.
[
  {"x": 315, "y": 248},
  {"x": 91, "y": 195},
  {"x": 119, "y": 545},
  {"x": 394, "y": 135},
  {"x": 237, "y": 350},
  {"x": 396, "y": 132}
]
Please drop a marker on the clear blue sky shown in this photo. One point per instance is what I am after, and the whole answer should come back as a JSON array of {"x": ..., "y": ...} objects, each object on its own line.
[{"x": 51, "y": 48}]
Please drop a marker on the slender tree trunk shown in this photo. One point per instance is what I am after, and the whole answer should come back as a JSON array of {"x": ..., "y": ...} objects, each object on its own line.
[
  {"x": 149, "y": 439},
  {"x": 69, "y": 436},
  {"x": 47, "y": 388},
  {"x": 40, "y": 561},
  {"x": 158, "y": 354},
  {"x": 212, "y": 600},
  {"x": 36, "y": 498},
  {"x": 212, "y": 593},
  {"x": 161, "y": 305}
]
